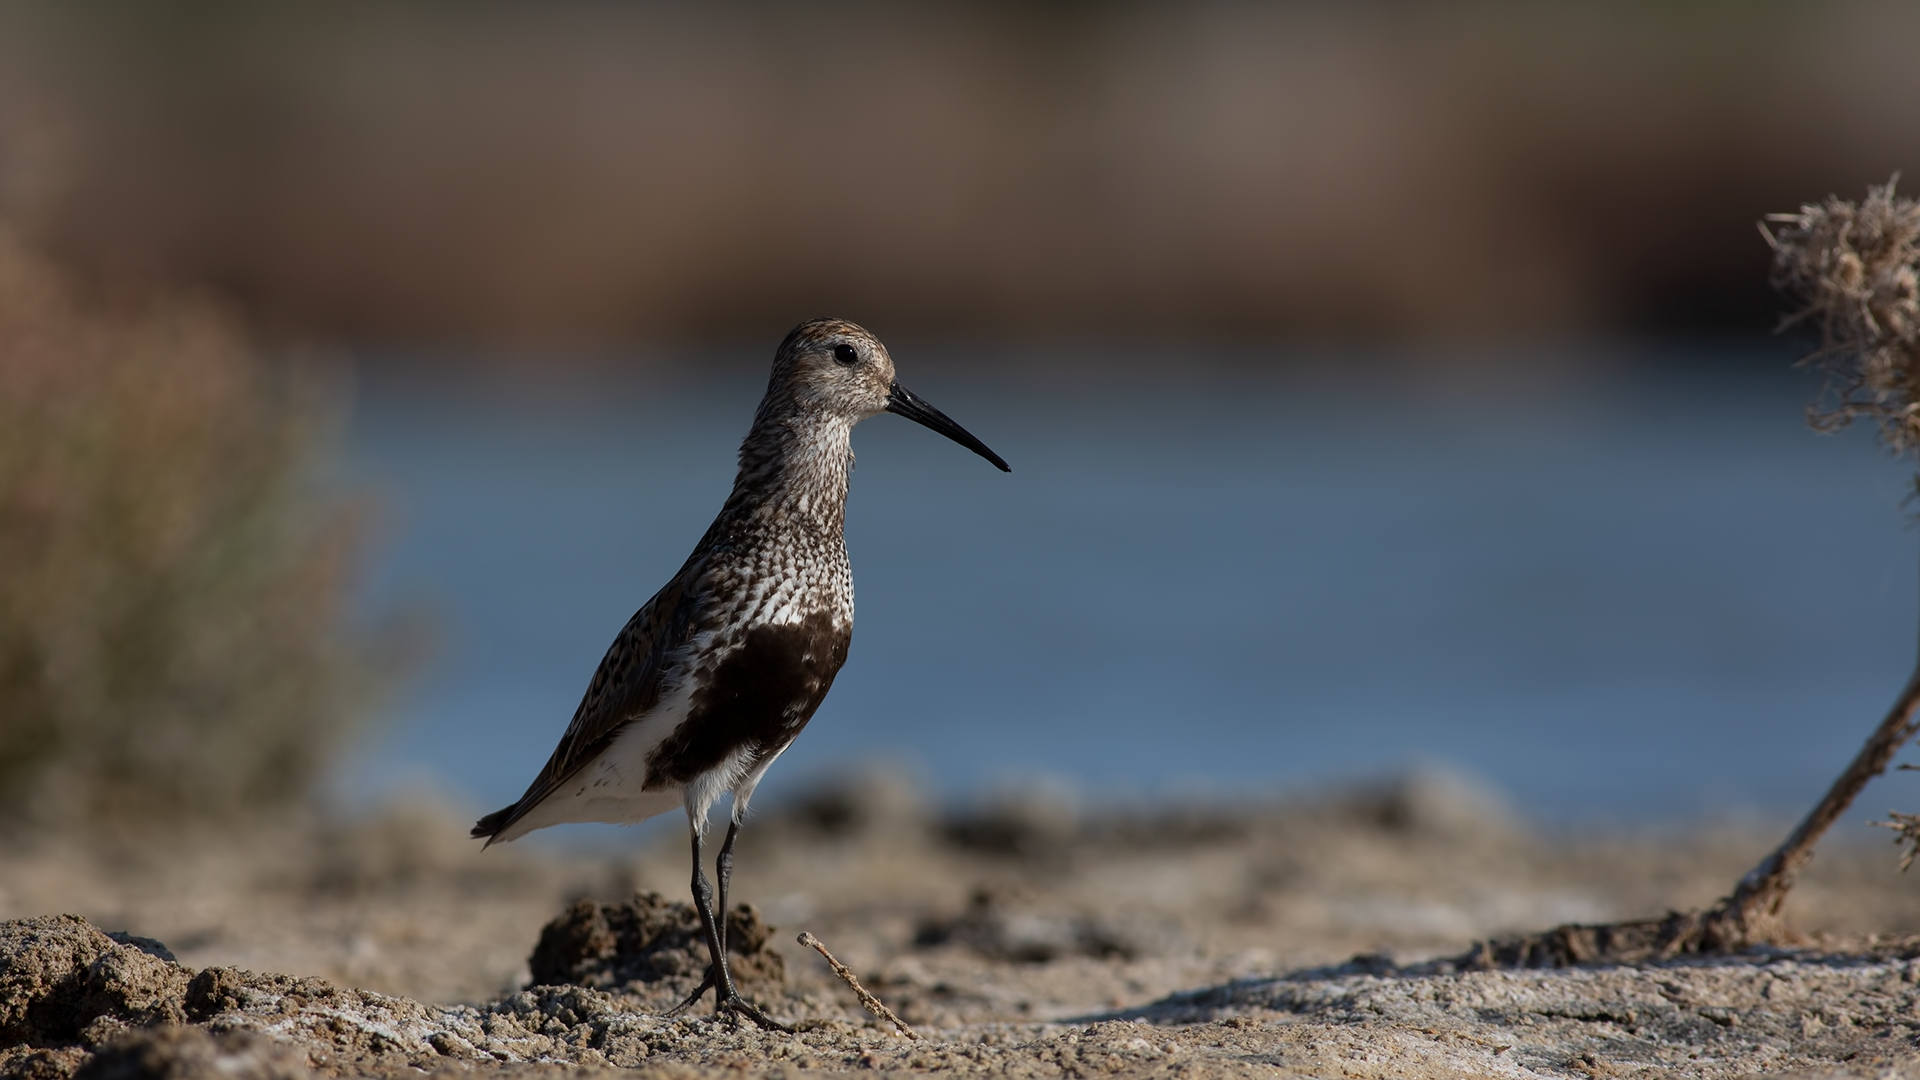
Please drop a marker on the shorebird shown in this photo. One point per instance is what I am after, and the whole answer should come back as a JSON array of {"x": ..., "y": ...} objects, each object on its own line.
[{"x": 715, "y": 676}]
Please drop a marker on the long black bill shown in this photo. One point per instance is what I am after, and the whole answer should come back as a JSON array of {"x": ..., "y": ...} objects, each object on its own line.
[{"x": 903, "y": 402}]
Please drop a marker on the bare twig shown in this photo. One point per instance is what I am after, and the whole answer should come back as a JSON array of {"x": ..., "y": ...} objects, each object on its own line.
[
  {"x": 846, "y": 975},
  {"x": 1908, "y": 826}
]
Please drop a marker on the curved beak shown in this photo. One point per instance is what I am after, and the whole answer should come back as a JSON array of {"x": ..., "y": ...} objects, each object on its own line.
[{"x": 903, "y": 402}]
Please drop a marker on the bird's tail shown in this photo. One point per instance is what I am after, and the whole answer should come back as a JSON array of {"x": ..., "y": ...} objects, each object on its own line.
[{"x": 490, "y": 827}]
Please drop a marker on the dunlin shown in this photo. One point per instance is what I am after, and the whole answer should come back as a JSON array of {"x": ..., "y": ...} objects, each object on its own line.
[{"x": 714, "y": 677}]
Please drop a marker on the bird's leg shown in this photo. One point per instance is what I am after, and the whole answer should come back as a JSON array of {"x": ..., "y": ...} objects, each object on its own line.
[
  {"x": 725, "y": 996},
  {"x": 700, "y": 901},
  {"x": 703, "y": 900},
  {"x": 723, "y": 870}
]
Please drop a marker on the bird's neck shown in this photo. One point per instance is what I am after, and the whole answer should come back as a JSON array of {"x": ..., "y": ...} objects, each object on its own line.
[{"x": 793, "y": 473}]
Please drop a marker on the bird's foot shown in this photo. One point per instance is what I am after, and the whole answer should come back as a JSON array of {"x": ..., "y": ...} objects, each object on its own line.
[
  {"x": 706, "y": 984},
  {"x": 740, "y": 1006},
  {"x": 729, "y": 1001}
]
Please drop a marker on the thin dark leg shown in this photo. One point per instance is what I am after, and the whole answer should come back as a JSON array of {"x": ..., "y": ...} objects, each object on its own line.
[
  {"x": 725, "y": 996},
  {"x": 723, "y": 869},
  {"x": 701, "y": 902}
]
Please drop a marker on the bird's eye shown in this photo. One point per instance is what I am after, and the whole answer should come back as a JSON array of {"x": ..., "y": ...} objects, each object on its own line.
[{"x": 844, "y": 353}]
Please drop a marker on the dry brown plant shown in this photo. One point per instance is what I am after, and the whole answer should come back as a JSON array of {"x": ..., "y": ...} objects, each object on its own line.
[
  {"x": 1853, "y": 270},
  {"x": 173, "y": 581}
]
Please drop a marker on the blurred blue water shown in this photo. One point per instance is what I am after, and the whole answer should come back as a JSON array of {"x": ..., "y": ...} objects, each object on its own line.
[{"x": 1631, "y": 596}]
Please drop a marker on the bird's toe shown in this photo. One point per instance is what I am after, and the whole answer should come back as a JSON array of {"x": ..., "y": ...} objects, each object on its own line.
[
  {"x": 740, "y": 1006},
  {"x": 706, "y": 984}
]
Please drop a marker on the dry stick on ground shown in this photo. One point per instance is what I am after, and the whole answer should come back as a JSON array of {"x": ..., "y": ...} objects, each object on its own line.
[
  {"x": 1855, "y": 271},
  {"x": 867, "y": 999}
]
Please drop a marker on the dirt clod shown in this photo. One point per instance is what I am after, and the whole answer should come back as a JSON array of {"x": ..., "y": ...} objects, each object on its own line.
[
  {"x": 62, "y": 981},
  {"x": 649, "y": 940}
]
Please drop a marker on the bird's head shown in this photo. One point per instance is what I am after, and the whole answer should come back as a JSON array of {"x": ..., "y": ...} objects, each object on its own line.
[{"x": 834, "y": 368}]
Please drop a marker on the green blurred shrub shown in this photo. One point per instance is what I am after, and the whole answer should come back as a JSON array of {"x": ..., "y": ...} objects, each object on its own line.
[{"x": 173, "y": 584}]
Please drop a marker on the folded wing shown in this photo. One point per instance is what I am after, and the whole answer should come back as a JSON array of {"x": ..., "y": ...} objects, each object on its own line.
[{"x": 627, "y": 685}]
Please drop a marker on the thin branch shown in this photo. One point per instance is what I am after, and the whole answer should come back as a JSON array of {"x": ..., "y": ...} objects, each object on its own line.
[
  {"x": 872, "y": 1003},
  {"x": 1750, "y": 914}
]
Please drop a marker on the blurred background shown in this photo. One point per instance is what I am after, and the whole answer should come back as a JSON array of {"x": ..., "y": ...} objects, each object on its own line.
[{"x": 1387, "y": 385}]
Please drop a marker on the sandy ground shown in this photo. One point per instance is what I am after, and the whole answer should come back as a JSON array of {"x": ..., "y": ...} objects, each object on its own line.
[{"x": 1027, "y": 937}]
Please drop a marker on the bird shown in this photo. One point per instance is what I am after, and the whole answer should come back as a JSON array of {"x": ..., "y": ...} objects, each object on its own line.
[{"x": 714, "y": 677}]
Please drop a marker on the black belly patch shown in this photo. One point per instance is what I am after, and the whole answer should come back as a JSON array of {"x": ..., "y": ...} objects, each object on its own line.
[{"x": 758, "y": 698}]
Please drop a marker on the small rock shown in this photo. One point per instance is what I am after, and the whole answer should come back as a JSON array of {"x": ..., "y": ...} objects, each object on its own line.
[
  {"x": 35, "y": 1063},
  {"x": 150, "y": 946},
  {"x": 213, "y": 991},
  {"x": 191, "y": 1053}
]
